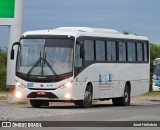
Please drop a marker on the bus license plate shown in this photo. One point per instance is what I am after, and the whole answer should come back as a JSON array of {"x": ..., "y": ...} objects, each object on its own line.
[{"x": 41, "y": 93}]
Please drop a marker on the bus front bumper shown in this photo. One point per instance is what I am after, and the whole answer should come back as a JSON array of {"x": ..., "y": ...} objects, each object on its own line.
[
  {"x": 59, "y": 94},
  {"x": 155, "y": 88}
]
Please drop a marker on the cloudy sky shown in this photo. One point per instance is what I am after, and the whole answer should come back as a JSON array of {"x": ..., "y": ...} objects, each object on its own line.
[{"x": 136, "y": 16}]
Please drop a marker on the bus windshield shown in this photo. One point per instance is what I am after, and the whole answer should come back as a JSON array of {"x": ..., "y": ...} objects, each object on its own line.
[
  {"x": 45, "y": 57},
  {"x": 156, "y": 73}
]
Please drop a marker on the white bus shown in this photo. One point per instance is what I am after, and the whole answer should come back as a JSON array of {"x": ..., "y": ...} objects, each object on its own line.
[
  {"x": 156, "y": 75},
  {"x": 80, "y": 64}
]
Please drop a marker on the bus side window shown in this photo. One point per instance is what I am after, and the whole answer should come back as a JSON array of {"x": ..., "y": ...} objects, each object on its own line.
[
  {"x": 145, "y": 52},
  {"x": 139, "y": 52},
  {"x": 100, "y": 50},
  {"x": 122, "y": 51},
  {"x": 131, "y": 51},
  {"x": 111, "y": 51},
  {"x": 78, "y": 60},
  {"x": 89, "y": 50}
]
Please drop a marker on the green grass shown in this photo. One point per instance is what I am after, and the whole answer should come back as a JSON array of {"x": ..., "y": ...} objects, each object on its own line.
[
  {"x": 152, "y": 94},
  {"x": 4, "y": 92}
]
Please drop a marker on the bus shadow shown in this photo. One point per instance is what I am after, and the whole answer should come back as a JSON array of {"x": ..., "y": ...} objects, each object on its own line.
[
  {"x": 95, "y": 106},
  {"x": 155, "y": 100},
  {"x": 77, "y": 107}
]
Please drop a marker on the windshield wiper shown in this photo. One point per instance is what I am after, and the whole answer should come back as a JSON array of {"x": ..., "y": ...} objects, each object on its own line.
[
  {"x": 45, "y": 61},
  {"x": 37, "y": 62},
  {"x": 49, "y": 66}
]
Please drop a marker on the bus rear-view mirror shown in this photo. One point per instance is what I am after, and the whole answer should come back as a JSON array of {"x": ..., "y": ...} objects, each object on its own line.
[
  {"x": 12, "y": 54},
  {"x": 12, "y": 50}
]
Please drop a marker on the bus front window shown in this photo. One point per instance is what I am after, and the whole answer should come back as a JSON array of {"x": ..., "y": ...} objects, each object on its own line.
[
  {"x": 45, "y": 57},
  {"x": 59, "y": 58},
  {"x": 156, "y": 73}
]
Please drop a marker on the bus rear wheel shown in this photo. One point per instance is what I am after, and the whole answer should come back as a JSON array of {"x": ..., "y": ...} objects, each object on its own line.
[
  {"x": 36, "y": 103},
  {"x": 123, "y": 101},
  {"x": 87, "y": 102}
]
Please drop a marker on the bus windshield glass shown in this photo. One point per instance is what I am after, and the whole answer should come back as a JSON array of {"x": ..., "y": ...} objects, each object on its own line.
[
  {"x": 156, "y": 73},
  {"x": 45, "y": 57}
]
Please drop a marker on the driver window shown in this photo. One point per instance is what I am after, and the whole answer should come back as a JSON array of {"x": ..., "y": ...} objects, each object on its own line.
[{"x": 78, "y": 60}]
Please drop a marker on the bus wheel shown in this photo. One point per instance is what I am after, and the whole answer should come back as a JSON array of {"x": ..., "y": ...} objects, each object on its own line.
[
  {"x": 76, "y": 102},
  {"x": 36, "y": 103},
  {"x": 115, "y": 102},
  {"x": 123, "y": 101},
  {"x": 87, "y": 102}
]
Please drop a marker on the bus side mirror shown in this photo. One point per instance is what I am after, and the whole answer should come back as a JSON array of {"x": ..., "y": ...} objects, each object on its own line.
[
  {"x": 12, "y": 50},
  {"x": 12, "y": 54},
  {"x": 82, "y": 52}
]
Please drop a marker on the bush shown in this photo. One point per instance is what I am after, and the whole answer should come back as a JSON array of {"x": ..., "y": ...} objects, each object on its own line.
[
  {"x": 3, "y": 67},
  {"x": 154, "y": 53}
]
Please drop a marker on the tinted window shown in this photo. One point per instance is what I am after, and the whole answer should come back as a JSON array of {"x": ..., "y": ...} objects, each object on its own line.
[
  {"x": 122, "y": 51},
  {"x": 100, "y": 50},
  {"x": 78, "y": 60},
  {"x": 139, "y": 52},
  {"x": 131, "y": 52},
  {"x": 111, "y": 51},
  {"x": 89, "y": 50},
  {"x": 145, "y": 52}
]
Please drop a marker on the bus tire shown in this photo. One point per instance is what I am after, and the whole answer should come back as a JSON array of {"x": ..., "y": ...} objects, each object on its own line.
[
  {"x": 125, "y": 100},
  {"x": 76, "y": 102},
  {"x": 115, "y": 102},
  {"x": 87, "y": 102},
  {"x": 36, "y": 103}
]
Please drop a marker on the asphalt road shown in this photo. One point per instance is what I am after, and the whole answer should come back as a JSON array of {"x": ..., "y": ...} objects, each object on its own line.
[{"x": 101, "y": 111}]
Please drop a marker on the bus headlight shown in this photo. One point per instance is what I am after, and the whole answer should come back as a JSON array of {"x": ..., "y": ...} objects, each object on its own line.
[
  {"x": 18, "y": 94},
  {"x": 67, "y": 95},
  {"x": 154, "y": 84},
  {"x": 20, "y": 85},
  {"x": 66, "y": 85}
]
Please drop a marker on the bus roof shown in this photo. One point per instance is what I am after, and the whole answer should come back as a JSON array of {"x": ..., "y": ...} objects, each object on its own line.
[{"x": 86, "y": 31}]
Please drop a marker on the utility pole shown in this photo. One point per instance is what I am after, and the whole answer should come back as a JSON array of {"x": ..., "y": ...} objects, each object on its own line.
[{"x": 11, "y": 15}]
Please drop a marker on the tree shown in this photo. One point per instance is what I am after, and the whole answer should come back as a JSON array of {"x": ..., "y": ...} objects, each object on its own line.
[
  {"x": 3, "y": 67},
  {"x": 154, "y": 53},
  {"x": 126, "y": 32}
]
